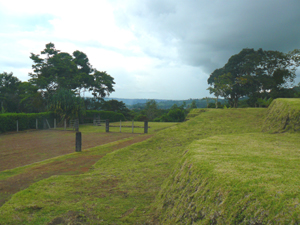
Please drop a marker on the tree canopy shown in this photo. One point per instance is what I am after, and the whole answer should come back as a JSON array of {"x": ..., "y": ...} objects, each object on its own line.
[
  {"x": 254, "y": 74},
  {"x": 53, "y": 69}
]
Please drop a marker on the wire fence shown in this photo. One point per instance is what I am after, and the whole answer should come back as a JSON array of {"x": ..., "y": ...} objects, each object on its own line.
[{"x": 74, "y": 125}]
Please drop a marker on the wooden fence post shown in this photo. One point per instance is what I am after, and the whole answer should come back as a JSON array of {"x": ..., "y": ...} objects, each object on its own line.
[
  {"x": 37, "y": 124},
  {"x": 107, "y": 125},
  {"x": 77, "y": 125},
  {"x": 17, "y": 125},
  {"x": 132, "y": 125},
  {"x": 48, "y": 124},
  {"x": 78, "y": 142},
  {"x": 146, "y": 126},
  {"x": 120, "y": 125},
  {"x": 44, "y": 124},
  {"x": 65, "y": 124},
  {"x": 54, "y": 123}
]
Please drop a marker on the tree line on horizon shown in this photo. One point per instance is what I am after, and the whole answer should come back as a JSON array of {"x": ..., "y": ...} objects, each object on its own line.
[{"x": 59, "y": 80}]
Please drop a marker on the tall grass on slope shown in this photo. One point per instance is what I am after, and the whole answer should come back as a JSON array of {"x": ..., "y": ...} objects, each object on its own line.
[
  {"x": 283, "y": 115},
  {"x": 235, "y": 179},
  {"x": 123, "y": 184}
]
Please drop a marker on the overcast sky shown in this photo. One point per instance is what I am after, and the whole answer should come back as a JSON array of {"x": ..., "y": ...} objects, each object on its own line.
[{"x": 163, "y": 49}]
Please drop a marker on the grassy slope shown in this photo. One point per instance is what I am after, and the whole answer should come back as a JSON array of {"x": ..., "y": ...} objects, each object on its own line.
[
  {"x": 248, "y": 178},
  {"x": 283, "y": 115},
  {"x": 209, "y": 169}
]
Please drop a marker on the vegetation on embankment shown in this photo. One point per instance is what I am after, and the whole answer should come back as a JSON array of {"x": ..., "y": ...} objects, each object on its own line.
[
  {"x": 283, "y": 115},
  {"x": 234, "y": 179},
  {"x": 209, "y": 169}
]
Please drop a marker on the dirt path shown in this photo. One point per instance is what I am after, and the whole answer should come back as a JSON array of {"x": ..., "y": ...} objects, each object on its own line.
[
  {"x": 70, "y": 166},
  {"x": 25, "y": 148}
]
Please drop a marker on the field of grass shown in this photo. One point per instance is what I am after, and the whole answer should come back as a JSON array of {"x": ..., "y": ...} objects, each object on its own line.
[{"x": 216, "y": 168}]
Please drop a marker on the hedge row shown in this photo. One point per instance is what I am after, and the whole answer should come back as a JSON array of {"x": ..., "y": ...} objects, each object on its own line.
[
  {"x": 104, "y": 115},
  {"x": 8, "y": 121}
]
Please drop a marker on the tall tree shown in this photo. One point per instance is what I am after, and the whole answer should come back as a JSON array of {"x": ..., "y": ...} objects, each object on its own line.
[
  {"x": 193, "y": 105},
  {"x": 255, "y": 73},
  {"x": 53, "y": 70},
  {"x": 151, "y": 109},
  {"x": 222, "y": 84},
  {"x": 9, "y": 88},
  {"x": 66, "y": 104},
  {"x": 31, "y": 101},
  {"x": 116, "y": 106}
]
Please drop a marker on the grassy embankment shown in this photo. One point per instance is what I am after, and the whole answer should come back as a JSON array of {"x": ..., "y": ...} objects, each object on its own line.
[{"x": 217, "y": 167}]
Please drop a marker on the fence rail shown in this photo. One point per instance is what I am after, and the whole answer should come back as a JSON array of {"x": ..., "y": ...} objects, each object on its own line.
[{"x": 73, "y": 124}]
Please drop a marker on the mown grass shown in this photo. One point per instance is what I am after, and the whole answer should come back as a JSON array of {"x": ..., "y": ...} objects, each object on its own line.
[
  {"x": 283, "y": 115},
  {"x": 219, "y": 161}
]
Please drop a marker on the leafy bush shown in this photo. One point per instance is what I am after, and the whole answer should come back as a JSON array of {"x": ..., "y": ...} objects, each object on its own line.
[
  {"x": 264, "y": 102},
  {"x": 140, "y": 117},
  {"x": 8, "y": 121}
]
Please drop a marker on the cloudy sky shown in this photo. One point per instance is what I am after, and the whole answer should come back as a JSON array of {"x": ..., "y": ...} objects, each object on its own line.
[{"x": 164, "y": 49}]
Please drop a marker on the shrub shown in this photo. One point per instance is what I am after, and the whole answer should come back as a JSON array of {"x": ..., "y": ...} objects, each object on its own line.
[{"x": 8, "y": 121}]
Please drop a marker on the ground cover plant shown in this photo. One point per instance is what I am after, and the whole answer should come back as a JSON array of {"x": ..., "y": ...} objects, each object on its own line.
[{"x": 213, "y": 161}]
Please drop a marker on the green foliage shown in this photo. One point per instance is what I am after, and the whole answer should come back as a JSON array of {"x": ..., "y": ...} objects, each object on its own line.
[
  {"x": 141, "y": 117},
  {"x": 167, "y": 104},
  {"x": 254, "y": 73},
  {"x": 213, "y": 105},
  {"x": 26, "y": 121},
  {"x": 116, "y": 106},
  {"x": 9, "y": 92},
  {"x": 264, "y": 102},
  {"x": 104, "y": 115},
  {"x": 193, "y": 105},
  {"x": 151, "y": 109},
  {"x": 17, "y": 96},
  {"x": 56, "y": 70},
  {"x": 175, "y": 114},
  {"x": 66, "y": 104}
]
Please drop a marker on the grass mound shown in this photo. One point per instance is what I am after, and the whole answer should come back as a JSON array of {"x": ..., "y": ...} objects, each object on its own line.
[
  {"x": 215, "y": 168},
  {"x": 283, "y": 115},
  {"x": 241, "y": 179}
]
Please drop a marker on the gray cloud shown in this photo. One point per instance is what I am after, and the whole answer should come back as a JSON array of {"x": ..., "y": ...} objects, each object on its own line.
[
  {"x": 206, "y": 33},
  {"x": 169, "y": 47}
]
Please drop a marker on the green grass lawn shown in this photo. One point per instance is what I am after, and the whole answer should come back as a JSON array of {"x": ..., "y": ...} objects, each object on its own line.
[{"x": 215, "y": 168}]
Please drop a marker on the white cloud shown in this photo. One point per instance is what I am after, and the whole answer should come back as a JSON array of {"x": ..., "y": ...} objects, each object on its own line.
[{"x": 153, "y": 48}]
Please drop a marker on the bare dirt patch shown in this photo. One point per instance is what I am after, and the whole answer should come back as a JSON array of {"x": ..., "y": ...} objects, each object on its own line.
[
  {"x": 25, "y": 148},
  {"x": 70, "y": 166}
]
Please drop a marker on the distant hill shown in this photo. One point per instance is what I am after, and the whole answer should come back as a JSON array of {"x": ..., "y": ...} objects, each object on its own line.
[
  {"x": 165, "y": 104},
  {"x": 129, "y": 101}
]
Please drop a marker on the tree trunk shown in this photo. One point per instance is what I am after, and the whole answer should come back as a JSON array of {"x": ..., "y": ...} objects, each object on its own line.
[{"x": 217, "y": 102}]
